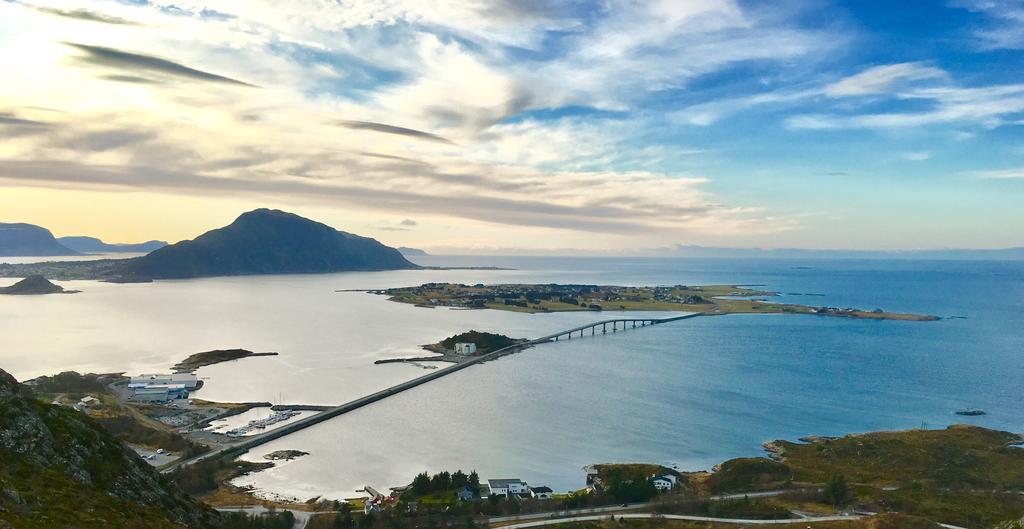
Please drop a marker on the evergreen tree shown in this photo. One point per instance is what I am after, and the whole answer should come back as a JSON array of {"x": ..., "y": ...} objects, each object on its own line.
[{"x": 837, "y": 492}]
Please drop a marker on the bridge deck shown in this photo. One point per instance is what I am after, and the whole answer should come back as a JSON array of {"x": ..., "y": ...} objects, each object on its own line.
[{"x": 330, "y": 413}]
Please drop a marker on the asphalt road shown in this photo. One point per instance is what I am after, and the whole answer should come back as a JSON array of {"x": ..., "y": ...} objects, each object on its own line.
[{"x": 638, "y": 516}]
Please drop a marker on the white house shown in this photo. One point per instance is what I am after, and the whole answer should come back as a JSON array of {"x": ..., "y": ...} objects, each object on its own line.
[
  {"x": 665, "y": 482},
  {"x": 504, "y": 487},
  {"x": 89, "y": 401},
  {"x": 465, "y": 349},
  {"x": 541, "y": 493}
]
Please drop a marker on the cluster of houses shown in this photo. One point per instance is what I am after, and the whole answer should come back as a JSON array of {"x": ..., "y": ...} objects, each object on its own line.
[
  {"x": 661, "y": 482},
  {"x": 162, "y": 387},
  {"x": 514, "y": 487}
]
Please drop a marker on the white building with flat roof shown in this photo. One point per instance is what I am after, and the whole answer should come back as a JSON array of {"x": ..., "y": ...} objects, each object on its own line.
[
  {"x": 465, "y": 349},
  {"x": 189, "y": 380},
  {"x": 504, "y": 487}
]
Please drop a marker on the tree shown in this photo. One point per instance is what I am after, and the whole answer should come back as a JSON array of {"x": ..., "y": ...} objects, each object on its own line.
[
  {"x": 459, "y": 479},
  {"x": 837, "y": 492},
  {"x": 474, "y": 480},
  {"x": 421, "y": 484},
  {"x": 441, "y": 481}
]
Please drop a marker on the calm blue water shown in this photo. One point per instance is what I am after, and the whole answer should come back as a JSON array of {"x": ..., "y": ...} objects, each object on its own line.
[{"x": 698, "y": 391}]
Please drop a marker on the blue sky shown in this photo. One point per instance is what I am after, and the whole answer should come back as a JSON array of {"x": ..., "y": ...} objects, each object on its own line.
[{"x": 501, "y": 125}]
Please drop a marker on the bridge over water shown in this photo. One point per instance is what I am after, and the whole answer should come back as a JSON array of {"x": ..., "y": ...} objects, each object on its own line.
[{"x": 614, "y": 325}]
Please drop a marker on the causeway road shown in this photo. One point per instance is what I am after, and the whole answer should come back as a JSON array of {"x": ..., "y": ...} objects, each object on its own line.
[{"x": 306, "y": 422}]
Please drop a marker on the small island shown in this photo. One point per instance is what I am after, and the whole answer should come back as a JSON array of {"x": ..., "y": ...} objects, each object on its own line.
[
  {"x": 284, "y": 455},
  {"x": 704, "y": 299},
  {"x": 209, "y": 358},
  {"x": 460, "y": 347},
  {"x": 34, "y": 285}
]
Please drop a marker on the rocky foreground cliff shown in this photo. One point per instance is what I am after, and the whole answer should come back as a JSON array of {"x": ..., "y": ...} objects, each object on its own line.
[{"x": 59, "y": 469}]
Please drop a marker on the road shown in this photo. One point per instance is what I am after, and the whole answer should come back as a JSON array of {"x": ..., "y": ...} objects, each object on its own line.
[
  {"x": 619, "y": 508},
  {"x": 640, "y": 516}
]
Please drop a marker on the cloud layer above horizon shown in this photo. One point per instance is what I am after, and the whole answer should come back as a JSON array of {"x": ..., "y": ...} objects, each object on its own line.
[{"x": 547, "y": 124}]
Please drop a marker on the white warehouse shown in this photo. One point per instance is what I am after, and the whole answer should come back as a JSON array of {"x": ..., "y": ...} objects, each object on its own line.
[{"x": 189, "y": 380}]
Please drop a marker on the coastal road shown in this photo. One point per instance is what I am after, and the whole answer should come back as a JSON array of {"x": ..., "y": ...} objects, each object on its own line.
[
  {"x": 619, "y": 508},
  {"x": 330, "y": 413},
  {"x": 641, "y": 516}
]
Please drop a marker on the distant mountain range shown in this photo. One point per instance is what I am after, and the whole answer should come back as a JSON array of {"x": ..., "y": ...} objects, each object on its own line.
[
  {"x": 266, "y": 241},
  {"x": 26, "y": 239},
  {"x": 411, "y": 252},
  {"x": 82, "y": 244}
]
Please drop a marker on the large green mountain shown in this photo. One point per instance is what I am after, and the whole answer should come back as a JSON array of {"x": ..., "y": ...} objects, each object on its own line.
[
  {"x": 59, "y": 469},
  {"x": 29, "y": 240},
  {"x": 266, "y": 241}
]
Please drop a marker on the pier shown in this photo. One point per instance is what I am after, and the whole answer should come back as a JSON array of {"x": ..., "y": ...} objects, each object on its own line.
[{"x": 612, "y": 325}]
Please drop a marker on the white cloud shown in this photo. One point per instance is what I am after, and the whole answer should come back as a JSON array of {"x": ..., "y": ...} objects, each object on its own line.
[
  {"x": 880, "y": 79},
  {"x": 985, "y": 106},
  {"x": 916, "y": 156},
  {"x": 1006, "y": 22},
  {"x": 1002, "y": 174}
]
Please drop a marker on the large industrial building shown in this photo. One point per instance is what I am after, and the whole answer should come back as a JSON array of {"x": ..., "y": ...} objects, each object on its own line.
[{"x": 189, "y": 380}]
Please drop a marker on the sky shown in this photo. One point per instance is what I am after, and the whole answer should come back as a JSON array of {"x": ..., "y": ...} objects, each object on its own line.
[{"x": 525, "y": 126}]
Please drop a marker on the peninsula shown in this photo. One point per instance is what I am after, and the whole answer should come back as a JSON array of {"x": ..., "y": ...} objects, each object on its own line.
[
  {"x": 706, "y": 299},
  {"x": 209, "y": 358}
]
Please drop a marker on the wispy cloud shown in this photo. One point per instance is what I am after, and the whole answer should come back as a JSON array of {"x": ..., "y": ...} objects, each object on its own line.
[
  {"x": 1005, "y": 28},
  {"x": 86, "y": 15},
  {"x": 916, "y": 156},
  {"x": 985, "y": 106},
  {"x": 131, "y": 61},
  {"x": 1002, "y": 174},
  {"x": 881, "y": 79},
  {"x": 392, "y": 129}
]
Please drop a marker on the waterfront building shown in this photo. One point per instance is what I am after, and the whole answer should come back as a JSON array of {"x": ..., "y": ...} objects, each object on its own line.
[
  {"x": 541, "y": 493},
  {"x": 465, "y": 349},
  {"x": 160, "y": 393},
  {"x": 504, "y": 487},
  {"x": 189, "y": 380}
]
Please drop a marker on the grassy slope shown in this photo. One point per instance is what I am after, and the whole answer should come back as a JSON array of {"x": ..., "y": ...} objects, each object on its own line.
[
  {"x": 962, "y": 475},
  {"x": 38, "y": 491}
]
